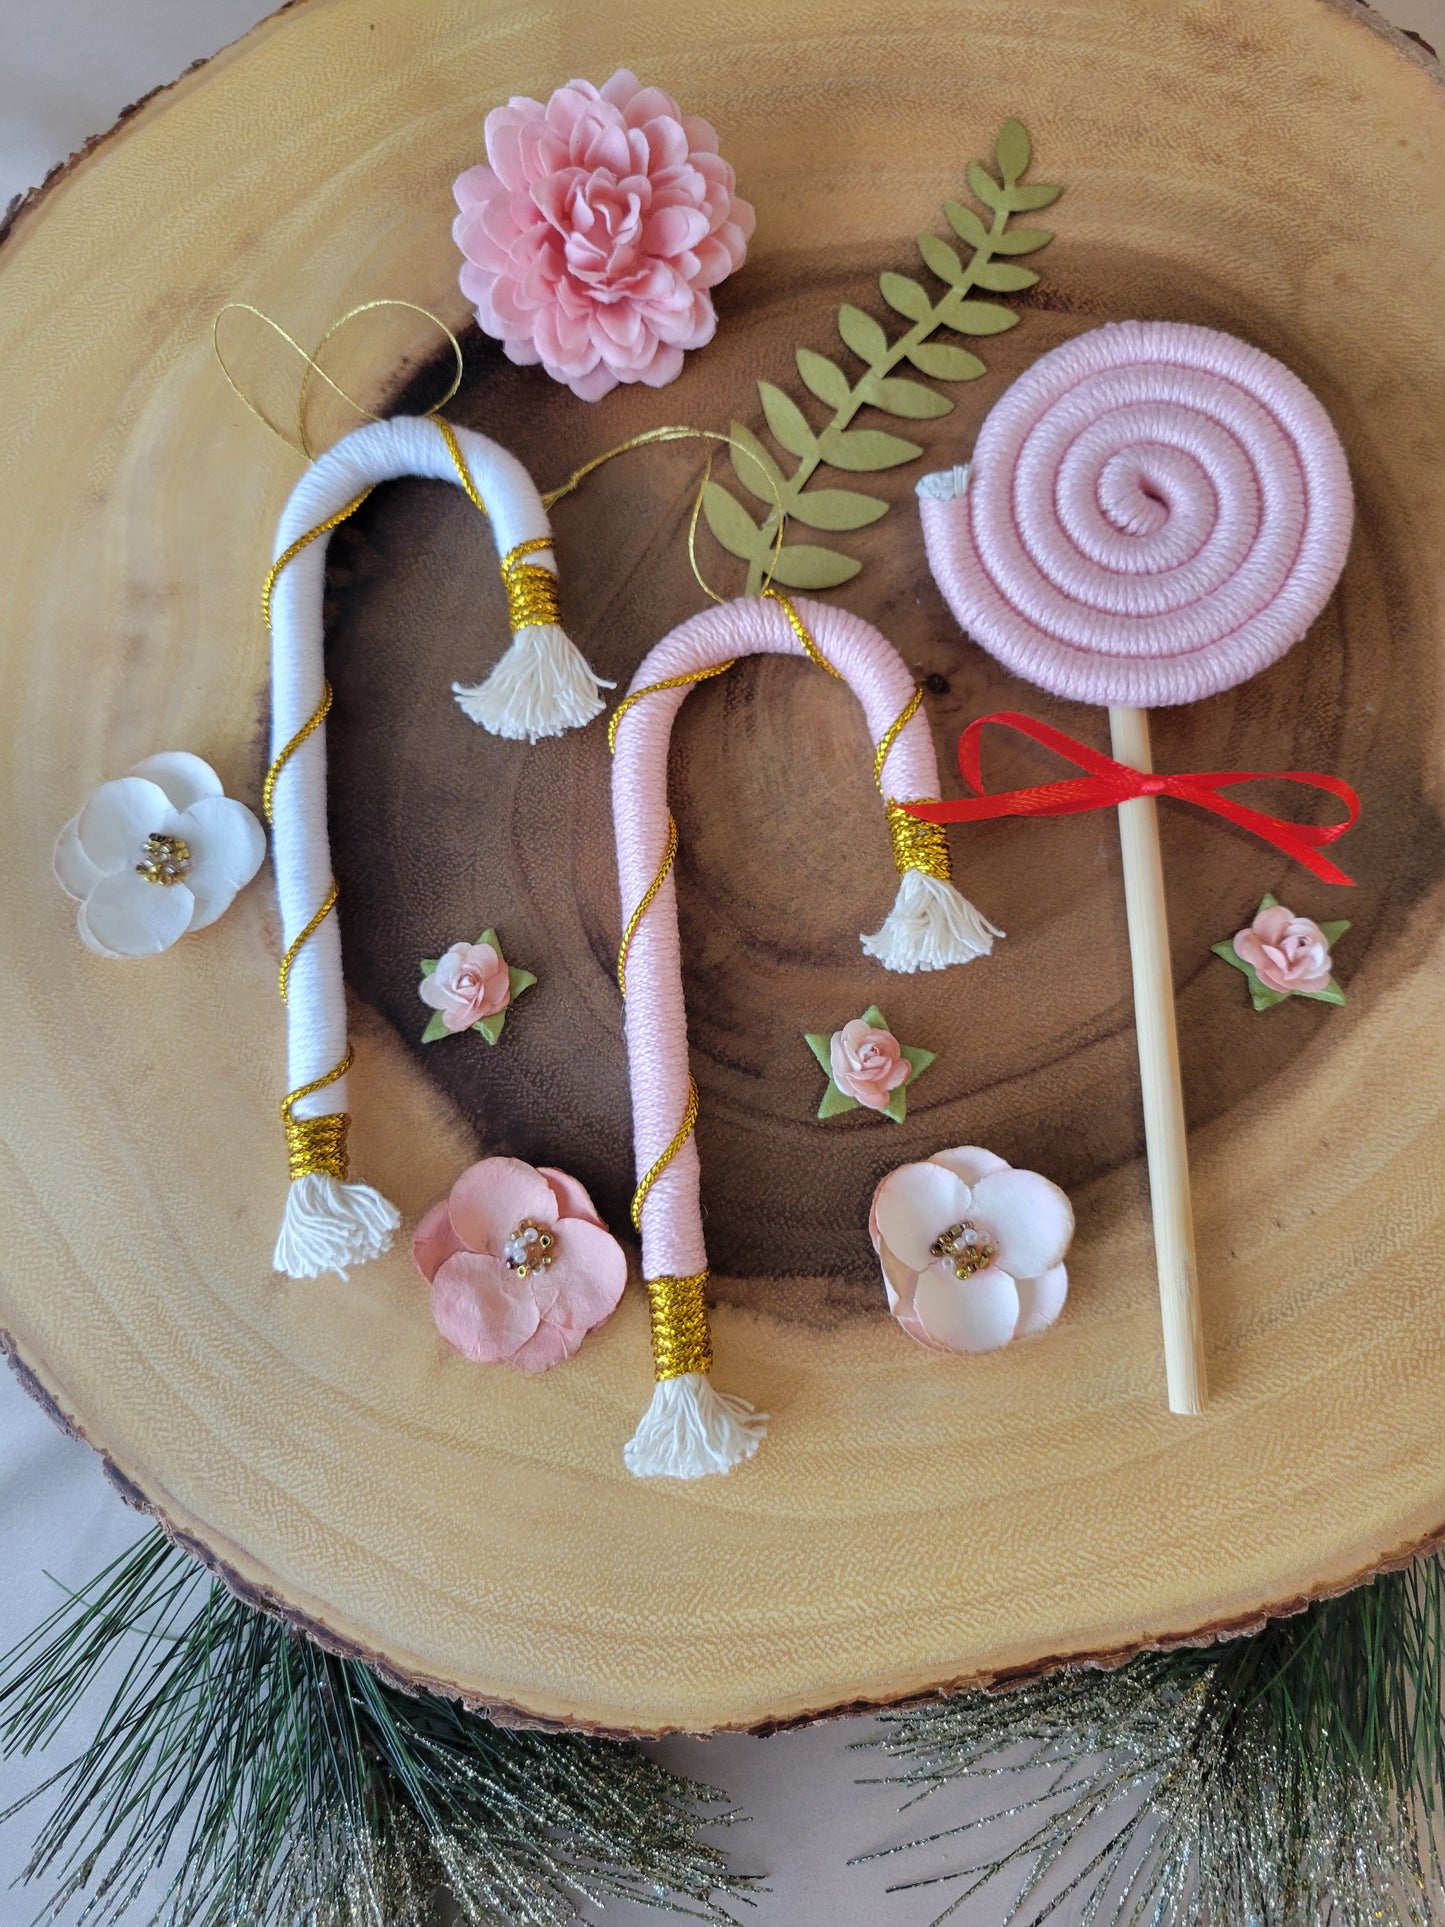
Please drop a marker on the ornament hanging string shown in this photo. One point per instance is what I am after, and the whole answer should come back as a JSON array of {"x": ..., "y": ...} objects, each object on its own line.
[
  {"x": 649, "y": 438},
  {"x": 1109, "y": 783},
  {"x": 300, "y": 441},
  {"x": 679, "y": 432}
]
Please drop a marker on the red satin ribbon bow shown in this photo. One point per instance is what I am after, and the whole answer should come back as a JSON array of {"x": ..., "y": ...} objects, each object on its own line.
[{"x": 1109, "y": 782}]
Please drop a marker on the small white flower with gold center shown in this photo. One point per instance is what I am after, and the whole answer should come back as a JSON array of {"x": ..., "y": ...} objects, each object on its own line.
[{"x": 155, "y": 854}]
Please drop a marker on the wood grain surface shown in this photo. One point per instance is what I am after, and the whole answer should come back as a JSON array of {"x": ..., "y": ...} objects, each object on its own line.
[{"x": 913, "y": 1521}]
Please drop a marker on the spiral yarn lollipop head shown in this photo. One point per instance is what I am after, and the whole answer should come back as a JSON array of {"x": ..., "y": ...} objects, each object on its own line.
[{"x": 1154, "y": 512}]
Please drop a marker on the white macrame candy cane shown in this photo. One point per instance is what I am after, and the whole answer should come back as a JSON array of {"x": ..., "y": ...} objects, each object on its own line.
[
  {"x": 541, "y": 687},
  {"x": 689, "y": 1428}
]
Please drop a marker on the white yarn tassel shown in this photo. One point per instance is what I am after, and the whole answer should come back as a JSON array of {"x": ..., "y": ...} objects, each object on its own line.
[
  {"x": 543, "y": 686},
  {"x": 690, "y": 1430},
  {"x": 943, "y": 485},
  {"x": 930, "y": 926},
  {"x": 328, "y": 1225}
]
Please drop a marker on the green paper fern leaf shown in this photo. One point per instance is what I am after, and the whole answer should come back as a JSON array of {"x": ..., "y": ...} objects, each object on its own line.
[{"x": 784, "y": 486}]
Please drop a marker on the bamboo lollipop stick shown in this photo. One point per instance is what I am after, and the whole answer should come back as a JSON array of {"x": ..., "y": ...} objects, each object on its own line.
[{"x": 1165, "y": 1138}]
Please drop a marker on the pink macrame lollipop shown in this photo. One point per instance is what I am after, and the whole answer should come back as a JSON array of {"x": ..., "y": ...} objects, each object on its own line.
[
  {"x": 1153, "y": 513},
  {"x": 691, "y": 1429}
]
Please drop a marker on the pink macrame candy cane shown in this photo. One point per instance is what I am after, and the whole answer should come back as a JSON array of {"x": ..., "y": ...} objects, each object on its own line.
[{"x": 691, "y": 1429}]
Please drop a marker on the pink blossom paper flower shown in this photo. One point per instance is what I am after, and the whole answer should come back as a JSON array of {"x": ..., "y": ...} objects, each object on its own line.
[
  {"x": 595, "y": 230},
  {"x": 866, "y": 1065},
  {"x": 971, "y": 1250},
  {"x": 520, "y": 1266},
  {"x": 1283, "y": 955},
  {"x": 470, "y": 988}
]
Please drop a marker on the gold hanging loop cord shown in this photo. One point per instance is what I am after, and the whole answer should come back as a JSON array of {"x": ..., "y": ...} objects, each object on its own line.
[
  {"x": 300, "y": 441},
  {"x": 680, "y": 432}
]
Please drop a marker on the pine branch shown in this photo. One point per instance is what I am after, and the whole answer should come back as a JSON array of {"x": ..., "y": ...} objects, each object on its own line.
[
  {"x": 288, "y": 1786},
  {"x": 839, "y": 444},
  {"x": 1292, "y": 1779}
]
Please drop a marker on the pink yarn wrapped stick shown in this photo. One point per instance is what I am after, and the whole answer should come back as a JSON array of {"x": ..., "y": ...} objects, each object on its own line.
[
  {"x": 1153, "y": 512},
  {"x": 691, "y": 1429}
]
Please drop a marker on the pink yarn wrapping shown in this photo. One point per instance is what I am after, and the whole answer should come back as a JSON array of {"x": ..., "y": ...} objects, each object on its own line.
[
  {"x": 1154, "y": 512},
  {"x": 672, "y": 1240}
]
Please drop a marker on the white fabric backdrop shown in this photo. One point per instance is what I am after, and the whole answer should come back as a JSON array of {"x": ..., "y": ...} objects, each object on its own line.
[{"x": 69, "y": 68}]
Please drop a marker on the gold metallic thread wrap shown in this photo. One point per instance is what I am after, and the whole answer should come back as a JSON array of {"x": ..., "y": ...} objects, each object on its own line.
[
  {"x": 650, "y": 689},
  {"x": 928, "y": 852},
  {"x": 682, "y": 1134},
  {"x": 669, "y": 857},
  {"x": 318, "y": 917},
  {"x": 283, "y": 756},
  {"x": 680, "y": 1339},
  {"x": 317, "y": 1144},
  {"x": 459, "y": 463},
  {"x": 531, "y": 589},
  {"x": 677, "y": 1307},
  {"x": 268, "y": 587},
  {"x": 918, "y": 845},
  {"x": 800, "y": 629},
  {"x": 890, "y": 735}
]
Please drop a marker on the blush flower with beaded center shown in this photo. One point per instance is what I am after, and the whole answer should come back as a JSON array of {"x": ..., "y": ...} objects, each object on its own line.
[
  {"x": 972, "y": 1250},
  {"x": 595, "y": 231},
  {"x": 520, "y": 1266}
]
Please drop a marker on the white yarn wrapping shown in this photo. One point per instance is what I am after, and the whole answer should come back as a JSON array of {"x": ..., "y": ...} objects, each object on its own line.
[
  {"x": 930, "y": 926},
  {"x": 690, "y": 1430},
  {"x": 329, "y": 1225}
]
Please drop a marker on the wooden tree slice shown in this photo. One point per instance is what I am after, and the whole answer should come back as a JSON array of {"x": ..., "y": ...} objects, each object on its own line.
[{"x": 914, "y": 1522}]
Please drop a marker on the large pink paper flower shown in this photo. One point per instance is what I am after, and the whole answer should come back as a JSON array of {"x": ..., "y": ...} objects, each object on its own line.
[
  {"x": 520, "y": 1265},
  {"x": 595, "y": 232},
  {"x": 972, "y": 1250}
]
